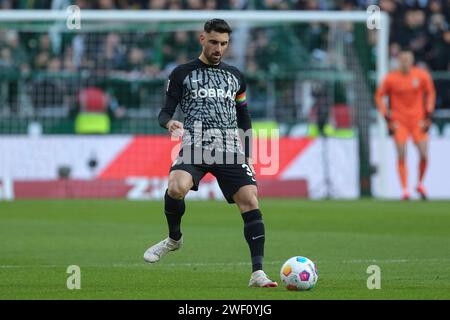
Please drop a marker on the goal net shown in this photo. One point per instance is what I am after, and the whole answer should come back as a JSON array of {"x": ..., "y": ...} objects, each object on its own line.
[{"x": 79, "y": 99}]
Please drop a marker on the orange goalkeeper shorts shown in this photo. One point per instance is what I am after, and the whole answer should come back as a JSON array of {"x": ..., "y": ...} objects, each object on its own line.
[{"x": 403, "y": 130}]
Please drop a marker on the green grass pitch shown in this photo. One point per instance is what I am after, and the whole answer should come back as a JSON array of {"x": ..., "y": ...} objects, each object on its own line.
[{"x": 409, "y": 241}]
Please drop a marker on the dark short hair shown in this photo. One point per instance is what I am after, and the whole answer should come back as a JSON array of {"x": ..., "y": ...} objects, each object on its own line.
[
  {"x": 408, "y": 50},
  {"x": 217, "y": 25}
]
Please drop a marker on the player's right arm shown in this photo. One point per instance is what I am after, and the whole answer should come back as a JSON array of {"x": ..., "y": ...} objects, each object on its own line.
[
  {"x": 174, "y": 93},
  {"x": 383, "y": 91}
]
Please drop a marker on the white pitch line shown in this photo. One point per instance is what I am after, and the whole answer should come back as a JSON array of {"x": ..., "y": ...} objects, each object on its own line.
[{"x": 228, "y": 264}]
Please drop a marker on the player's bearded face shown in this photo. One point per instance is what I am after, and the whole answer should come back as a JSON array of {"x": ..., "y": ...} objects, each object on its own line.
[
  {"x": 214, "y": 45},
  {"x": 406, "y": 60}
]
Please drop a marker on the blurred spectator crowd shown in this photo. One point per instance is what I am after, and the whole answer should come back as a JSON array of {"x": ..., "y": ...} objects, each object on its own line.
[{"x": 421, "y": 25}]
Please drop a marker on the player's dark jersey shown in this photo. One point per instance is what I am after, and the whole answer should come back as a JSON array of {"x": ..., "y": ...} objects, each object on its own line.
[{"x": 213, "y": 103}]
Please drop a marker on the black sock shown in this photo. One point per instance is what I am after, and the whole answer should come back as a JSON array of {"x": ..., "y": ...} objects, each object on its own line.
[
  {"x": 174, "y": 210},
  {"x": 254, "y": 234}
]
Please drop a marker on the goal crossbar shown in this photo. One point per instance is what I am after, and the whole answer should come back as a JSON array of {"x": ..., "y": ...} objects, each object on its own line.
[{"x": 190, "y": 15}]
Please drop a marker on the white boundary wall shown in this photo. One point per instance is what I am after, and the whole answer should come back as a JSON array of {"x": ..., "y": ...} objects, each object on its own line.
[{"x": 23, "y": 158}]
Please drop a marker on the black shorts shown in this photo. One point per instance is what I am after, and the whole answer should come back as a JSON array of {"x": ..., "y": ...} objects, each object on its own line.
[{"x": 230, "y": 177}]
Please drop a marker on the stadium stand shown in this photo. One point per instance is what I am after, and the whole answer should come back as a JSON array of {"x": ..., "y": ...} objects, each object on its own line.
[{"x": 50, "y": 71}]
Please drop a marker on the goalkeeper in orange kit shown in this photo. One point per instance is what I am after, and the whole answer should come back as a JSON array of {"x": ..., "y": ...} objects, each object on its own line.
[{"x": 412, "y": 98}]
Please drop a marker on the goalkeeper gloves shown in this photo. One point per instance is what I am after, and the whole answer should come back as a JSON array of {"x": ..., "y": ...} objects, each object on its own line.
[
  {"x": 426, "y": 123},
  {"x": 390, "y": 124}
]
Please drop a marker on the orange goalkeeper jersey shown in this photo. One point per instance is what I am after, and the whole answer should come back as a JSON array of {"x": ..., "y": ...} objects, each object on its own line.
[{"x": 410, "y": 95}]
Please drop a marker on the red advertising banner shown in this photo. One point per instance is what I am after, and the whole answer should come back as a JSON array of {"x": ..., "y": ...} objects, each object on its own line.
[{"x": 139, "y": 189}]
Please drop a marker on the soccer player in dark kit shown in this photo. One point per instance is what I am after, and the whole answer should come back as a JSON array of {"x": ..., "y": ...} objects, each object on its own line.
[{"x": 212, "y": 98}]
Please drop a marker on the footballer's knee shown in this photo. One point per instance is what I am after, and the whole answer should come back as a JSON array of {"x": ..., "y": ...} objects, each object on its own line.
[
  {"x": 401, "y": 156},
  {"x": 423, "y": 154},
  {"x": 247, "y": 202},
  {"x": 177, "y": 189},
  {"x": 248, "y": 206},
  {"x": 401, "y": 151}
]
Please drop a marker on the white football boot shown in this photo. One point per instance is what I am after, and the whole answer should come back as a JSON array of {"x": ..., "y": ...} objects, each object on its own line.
[
  {"x": 260, "y": 279},
  {"x": 159, "y": 250}
]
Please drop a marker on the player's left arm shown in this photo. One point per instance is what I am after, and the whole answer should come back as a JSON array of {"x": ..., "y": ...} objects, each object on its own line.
[
  {"x": 244, "y": 121},
  {"x": 430, "y": 100}
]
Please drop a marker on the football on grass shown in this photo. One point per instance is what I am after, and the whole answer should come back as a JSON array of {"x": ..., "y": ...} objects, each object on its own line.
[{"x": 299, "y": 273}]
